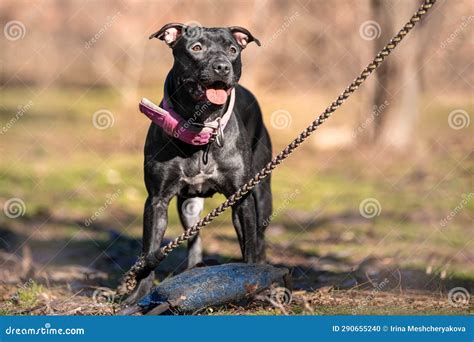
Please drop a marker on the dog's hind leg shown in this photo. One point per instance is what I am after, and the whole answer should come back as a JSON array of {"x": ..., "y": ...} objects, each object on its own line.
[{"x": 189, "y": 211}]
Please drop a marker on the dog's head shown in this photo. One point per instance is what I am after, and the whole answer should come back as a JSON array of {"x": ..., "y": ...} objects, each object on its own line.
[{"x": 207, "y": 61}]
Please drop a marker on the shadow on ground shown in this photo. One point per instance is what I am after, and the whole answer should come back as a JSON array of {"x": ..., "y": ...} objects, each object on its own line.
[{"x": 97, "y": 256}]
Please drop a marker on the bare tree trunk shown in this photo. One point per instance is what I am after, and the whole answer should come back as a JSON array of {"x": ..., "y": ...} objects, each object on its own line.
[{"x": 397, "y": 86}]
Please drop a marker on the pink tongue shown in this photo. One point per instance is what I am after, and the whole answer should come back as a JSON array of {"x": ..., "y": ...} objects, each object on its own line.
[{"x": 216, "y": 96}]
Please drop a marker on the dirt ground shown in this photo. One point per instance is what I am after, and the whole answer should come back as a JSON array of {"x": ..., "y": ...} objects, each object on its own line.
[{"x": 325, "y": 285}]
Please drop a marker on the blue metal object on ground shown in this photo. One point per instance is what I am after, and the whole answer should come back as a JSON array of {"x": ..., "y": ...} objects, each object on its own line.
[{"x": 214, "y": 285}]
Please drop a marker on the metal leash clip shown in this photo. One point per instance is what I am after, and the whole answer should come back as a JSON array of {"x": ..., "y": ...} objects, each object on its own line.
[{"x": 218, "y": 135}]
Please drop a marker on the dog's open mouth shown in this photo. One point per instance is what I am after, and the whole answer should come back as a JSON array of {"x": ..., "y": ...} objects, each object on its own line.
[{"x": 217, "y": 93}]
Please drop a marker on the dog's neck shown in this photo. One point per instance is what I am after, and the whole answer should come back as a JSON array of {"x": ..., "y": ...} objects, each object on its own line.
[{"x": 187, "y": 108}]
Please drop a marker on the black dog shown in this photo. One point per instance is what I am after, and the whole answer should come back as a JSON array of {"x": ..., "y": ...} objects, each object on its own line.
[{"x": 207, "y": 67}]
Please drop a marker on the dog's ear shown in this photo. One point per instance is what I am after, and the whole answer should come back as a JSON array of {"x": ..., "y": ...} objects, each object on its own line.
[
  {"x": 169, "y": 33},
  {"x": 243, "y": 36}
]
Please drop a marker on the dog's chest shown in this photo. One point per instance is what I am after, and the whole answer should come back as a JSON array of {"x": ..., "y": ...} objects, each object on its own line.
[{"x": 197, "y": 179}]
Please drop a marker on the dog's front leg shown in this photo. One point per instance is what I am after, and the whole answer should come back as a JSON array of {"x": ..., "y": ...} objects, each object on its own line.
[
  {"x": 155, "y": 221},
  {"x": 245, "y": 223}
]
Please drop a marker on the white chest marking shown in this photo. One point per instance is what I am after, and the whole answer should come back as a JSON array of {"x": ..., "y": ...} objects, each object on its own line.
[{"x": 198, "y": 179}]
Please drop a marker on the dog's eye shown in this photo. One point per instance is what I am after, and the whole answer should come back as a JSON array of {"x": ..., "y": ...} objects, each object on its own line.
[
  {"x": 232, "y": 49},
  {"x": 196, "y": 47}
]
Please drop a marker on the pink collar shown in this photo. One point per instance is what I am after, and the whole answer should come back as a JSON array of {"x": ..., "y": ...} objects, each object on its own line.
[{"x": 187, "y": 130}]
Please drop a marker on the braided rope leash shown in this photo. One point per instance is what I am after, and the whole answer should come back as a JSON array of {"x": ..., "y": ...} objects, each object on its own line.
[{"x": 146, "y": 264}]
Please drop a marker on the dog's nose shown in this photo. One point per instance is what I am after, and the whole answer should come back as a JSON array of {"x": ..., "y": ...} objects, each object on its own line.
[{"x": 221, "y": 68}]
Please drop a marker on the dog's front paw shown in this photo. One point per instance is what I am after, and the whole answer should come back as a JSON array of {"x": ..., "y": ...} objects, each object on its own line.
[{"x": 143, "y": 288}]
